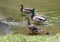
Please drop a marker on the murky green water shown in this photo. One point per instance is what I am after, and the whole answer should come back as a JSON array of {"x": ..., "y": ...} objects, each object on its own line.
[
  {"x": 52, "y": 24},
  {"x": 53, "y": 21}
]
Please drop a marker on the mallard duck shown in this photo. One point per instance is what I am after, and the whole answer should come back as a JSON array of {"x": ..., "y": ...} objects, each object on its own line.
[
  {"x": 26, "y": 10},
  {"x": 37, "y": 19}
]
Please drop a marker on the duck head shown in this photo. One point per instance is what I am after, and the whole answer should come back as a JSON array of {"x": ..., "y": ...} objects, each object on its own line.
[
  {"x": 21, "y": 7},
  {"x": 33, "y": 13}
]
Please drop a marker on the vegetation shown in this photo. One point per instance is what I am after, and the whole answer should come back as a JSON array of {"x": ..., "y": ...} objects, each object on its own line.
[
  {"x": 25, "y": 38},
  {"x": 50, "y": 9}
]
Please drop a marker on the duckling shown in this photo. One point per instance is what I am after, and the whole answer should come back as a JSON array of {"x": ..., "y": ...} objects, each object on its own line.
[
  {"x": 25, "y": 10},
  {"x": 37, "y": 19}
]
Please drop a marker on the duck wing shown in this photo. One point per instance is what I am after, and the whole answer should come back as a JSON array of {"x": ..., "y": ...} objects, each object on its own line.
[
  {"x": 26, "y": 11},
  {"x": 30, "y": 9},
  {"x": 38, "y": 19}
]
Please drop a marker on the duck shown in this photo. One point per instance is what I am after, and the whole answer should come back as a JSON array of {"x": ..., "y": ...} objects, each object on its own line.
[
  {"x": 34, "y": 30},
  {"x": 25, "y": 10},
  {"x": 37, "y": 19},
  {"x": 31, "y": 27}
]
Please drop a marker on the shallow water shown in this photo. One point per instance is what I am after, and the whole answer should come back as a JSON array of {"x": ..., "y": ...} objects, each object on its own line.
[{"x": 11, "y": 27}]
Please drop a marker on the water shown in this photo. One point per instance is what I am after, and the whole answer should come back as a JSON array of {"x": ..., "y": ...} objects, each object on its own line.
[
  {"x": 11, "y": 27},
  {"x": 53, "y": 21},
  {"x": 50, "y": 19}
]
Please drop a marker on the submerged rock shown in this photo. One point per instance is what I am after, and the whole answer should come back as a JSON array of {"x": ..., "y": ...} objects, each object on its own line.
[{"x": 4, "y": 28}]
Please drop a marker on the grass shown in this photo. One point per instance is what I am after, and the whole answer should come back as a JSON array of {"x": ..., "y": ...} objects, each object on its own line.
[{"x": 25, "y": 38}]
